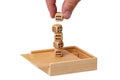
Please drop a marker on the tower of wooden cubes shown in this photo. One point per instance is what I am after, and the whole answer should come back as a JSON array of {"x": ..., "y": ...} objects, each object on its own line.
[
  {"x": 58, "y": 36},
  {"x": 58, "y": 39}
]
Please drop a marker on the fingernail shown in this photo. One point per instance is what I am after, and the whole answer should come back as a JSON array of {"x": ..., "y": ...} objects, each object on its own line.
[{"x": 67, "y": 14}]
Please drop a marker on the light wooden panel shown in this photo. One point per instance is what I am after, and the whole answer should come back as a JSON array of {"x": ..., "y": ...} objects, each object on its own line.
[{"x": 74, "y": 60}]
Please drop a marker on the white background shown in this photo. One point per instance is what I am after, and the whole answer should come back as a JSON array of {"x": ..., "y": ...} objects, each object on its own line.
[{"x": 25, "y": 25}]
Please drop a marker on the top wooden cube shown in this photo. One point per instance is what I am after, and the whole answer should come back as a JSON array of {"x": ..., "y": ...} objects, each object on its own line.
[{"x": 59, "y": 16}]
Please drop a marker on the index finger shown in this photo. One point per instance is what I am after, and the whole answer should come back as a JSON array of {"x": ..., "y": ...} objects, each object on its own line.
[{"x": 51, "y": 4}]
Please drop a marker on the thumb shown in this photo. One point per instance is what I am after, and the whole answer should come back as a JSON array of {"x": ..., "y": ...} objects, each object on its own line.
[{"x": 68, "y": 7}]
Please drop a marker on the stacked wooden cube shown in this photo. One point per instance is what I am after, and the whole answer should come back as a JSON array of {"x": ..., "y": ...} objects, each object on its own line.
[
  {"x": 58, "y": 36},
  {"x": 59, "y": 17}
]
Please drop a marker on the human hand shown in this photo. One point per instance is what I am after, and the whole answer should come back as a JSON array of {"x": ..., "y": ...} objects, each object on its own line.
[{"x": 67, "y": 7}]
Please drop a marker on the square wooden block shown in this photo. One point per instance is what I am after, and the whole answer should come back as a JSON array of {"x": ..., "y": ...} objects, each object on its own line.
[
  {"x": 57, "y": 28},
  {"x": 74, "y": 60},
  {"x": 58, "y": 52},
  {"x": 58, "y": 36},
  {"x": 58, "y": 44},
  {"x": 59, "y": 16}
]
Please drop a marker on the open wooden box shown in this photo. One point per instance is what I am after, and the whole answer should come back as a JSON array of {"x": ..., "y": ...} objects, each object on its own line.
[{"x": 74, "y": 60}]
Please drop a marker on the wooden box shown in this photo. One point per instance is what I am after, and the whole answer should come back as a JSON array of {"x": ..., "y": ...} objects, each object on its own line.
[{"x": 74, "y": 60}]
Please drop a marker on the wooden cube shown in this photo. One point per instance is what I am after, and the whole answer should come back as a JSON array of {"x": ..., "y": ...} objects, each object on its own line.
[
  {"x": 57, "y": 28},
  {"x": 58, "y": 52},
  {"x": 58, "y": 36},
  {"x": 58, "y": 44},
  {"x": 59, "y": 16}
]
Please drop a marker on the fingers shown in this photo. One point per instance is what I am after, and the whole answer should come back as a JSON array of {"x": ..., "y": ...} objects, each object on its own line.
[
  {"x": 51, "y": 7},
  {"x": 68, "y": 7}
]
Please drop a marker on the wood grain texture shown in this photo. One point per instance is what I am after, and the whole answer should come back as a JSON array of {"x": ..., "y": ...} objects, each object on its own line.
[
  {"x": 73, "y": 66},
  {"x": 74, "y": 60}
]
